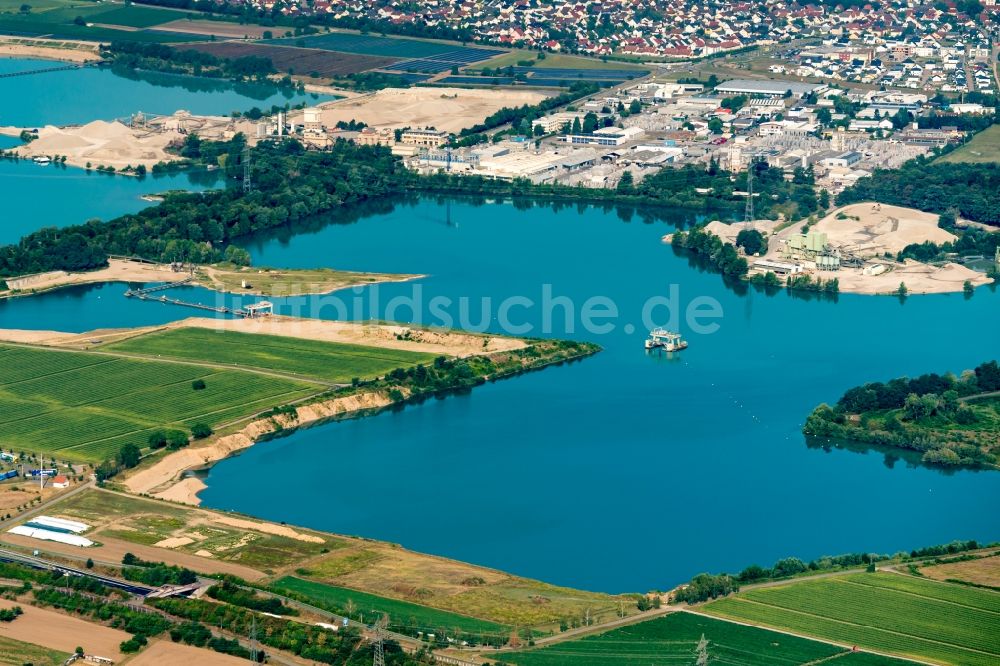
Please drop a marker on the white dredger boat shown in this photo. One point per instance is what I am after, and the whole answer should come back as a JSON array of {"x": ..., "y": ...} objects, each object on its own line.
[{"x": 663, "y": 339}]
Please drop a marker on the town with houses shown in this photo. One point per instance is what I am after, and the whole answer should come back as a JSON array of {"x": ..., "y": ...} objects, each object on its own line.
[{"x": 671, "y": 28}]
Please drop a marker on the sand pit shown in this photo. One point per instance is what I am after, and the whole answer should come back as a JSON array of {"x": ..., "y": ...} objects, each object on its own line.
[
  {"x": 268, "y": 528},
  {"x": 167, "y": 653},
  {"x": 101, "y": 143},
  {"x": 870, "y": 231},
  {"x": 174, "y": 542},
  {"x": 62, "y": 632},
  {"x": 449, "y": 109},
  {"x": 184, "y": 491},
  {"x": 881, "y": 228}
]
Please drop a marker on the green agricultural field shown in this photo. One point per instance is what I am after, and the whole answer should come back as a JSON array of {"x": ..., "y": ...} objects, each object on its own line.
[
  {"x": 673, "y": 639},
  {"x": 328, "y": 361},
  {"x": 19, "y": 653},
  {"x": 85, "y": 406},
  {"x": 37, "y": 25},
  {"x": 984, "y": 147},
  {"x": 402, "y": 614},
  {"x": 907, "y": 616},
  {"x": 137, "y": 16}
]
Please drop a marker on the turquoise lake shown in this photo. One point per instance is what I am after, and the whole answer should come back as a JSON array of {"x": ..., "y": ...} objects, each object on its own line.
[
  {"x": 82, "y": 95},
  {"x": 623, "y": 471},
  {"x": 36, "y": 196}
]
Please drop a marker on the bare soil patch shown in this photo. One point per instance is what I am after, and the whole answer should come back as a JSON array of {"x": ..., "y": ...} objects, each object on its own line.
[
  {"x": 62, "y": 632},
  {"x": 984, "y": 571},
  {"x": 449, "y": 109},
  {"x": 168, "y": 653},
  {"x": 217, "y": 28}
]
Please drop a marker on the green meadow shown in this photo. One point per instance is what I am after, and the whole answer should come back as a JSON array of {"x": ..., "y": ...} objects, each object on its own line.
[
  {"x": 333, "y": 362},
  {"x": 902, "y": 615}
]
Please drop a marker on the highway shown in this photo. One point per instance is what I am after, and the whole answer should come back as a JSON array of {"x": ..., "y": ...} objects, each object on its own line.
[{"x": 45, "y": 565}]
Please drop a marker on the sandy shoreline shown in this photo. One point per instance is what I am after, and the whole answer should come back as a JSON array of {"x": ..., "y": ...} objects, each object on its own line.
[
  {"x": 162, "y": 479},
  {"x": 125, "y": 270},
  {"x": 23, "y": 49}
]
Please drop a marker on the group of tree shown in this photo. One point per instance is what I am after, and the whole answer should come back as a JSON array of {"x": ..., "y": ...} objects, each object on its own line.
[
  {"x": 929, "y": 414},
  {"x": 290, "y": 185},
  {"x": 706, "y": 586},
  {"x": 229, "y": 592},
  {"x": 721, "y": 254},
  {"x": 873, "y": 396},
  {"x": 163, "y": 58},
  {"x": 155, "y": 573}
]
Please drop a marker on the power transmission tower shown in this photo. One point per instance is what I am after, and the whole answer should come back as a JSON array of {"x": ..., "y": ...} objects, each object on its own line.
[
  {"x": 748, "y": 213},
  {"x": 702, "y": 652},
  {"x": 247, "y": 186},
  {"x": 379, "y": 629},
  {"x": 253, "y": 640}
]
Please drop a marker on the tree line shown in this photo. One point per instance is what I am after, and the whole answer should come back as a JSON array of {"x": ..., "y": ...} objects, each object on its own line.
[
  {"x": 929, "y": 414},
  {"x": 163, "y": 58}
]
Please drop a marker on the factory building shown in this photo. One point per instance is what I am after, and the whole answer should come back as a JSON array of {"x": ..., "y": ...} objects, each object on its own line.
[
  {"x": 768, "y": 88},
  {"x": 425, "y": 138}
]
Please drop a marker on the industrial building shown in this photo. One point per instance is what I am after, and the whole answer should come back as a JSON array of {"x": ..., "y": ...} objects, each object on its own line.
[
  {"x": 425, "y": 138},
  {"x": 768, "y": 88},
  {"x": 606, "y": 136}
]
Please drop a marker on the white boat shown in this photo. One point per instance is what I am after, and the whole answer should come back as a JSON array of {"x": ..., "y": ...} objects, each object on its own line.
[
  {"x": 661, "y": 338},
  {"x": 42, "y": 159}
]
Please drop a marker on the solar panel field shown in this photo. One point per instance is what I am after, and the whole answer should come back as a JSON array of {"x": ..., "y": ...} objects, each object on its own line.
[
  {"x": 673, "y": 639},
  {"x": 902, "y": 615}
]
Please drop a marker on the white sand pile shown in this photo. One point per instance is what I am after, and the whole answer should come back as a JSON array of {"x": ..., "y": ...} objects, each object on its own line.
[
  {"x": 883, "y": 228},
  {"x": 102, "y": 143}
]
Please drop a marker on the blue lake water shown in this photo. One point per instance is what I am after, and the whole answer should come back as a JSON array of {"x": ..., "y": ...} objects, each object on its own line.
[
  {"x": 36, "y": 196},
  {"x": 82, "y": 95},
  {"x": 624, "y": 471}
]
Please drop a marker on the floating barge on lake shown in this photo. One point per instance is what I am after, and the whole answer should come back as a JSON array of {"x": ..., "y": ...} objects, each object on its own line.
[{"x": 661, "y": 338}]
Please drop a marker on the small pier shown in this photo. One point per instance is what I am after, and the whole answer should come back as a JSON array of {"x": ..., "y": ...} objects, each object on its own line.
[
  {"x": 44, "y": 70},
  {"x": 142, "y": 293},
  {"x": 252, "y": 311}
]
